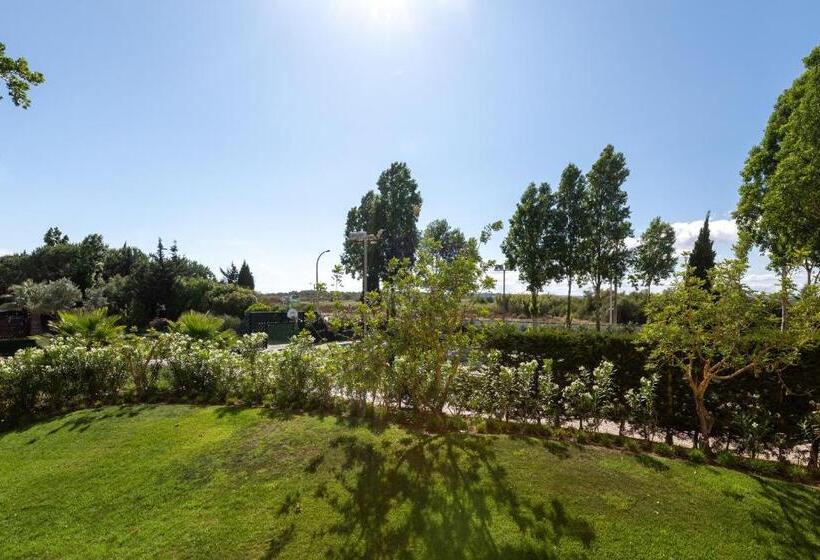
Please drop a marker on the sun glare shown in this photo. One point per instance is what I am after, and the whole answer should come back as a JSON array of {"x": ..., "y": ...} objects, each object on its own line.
[{"x": 394, "y": 15}]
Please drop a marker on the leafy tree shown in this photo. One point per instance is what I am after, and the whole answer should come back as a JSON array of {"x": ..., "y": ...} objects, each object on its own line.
[
  {"x": 609, "y": 225},
  {"x": 89, "y": 261},
  {"x": 779, "y": 204},
  {"x": 245, "y": 277},
  {"x": 18, "y": 78},
  {"x": 123, "y": 261},
  {"x": 392, "y": 209},
  {"x": 54, "y": 237},
  {"x": 43, "y": 298},
  {"x": 715, "y": 337},
  {"x": 702, "y": 257},
  {"x": 654, "y": 258},
  {"x": 449, "y": 242},
  {"x": 230, "y": 275},
  {"x": 573, "y": 225},
  {"x": 338, "y": 276},
  {"x": 533, "y": 242}
]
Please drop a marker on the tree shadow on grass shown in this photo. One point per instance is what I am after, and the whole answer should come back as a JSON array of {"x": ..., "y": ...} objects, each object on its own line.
[
  {"x": 790, "y": 524},
  {"x": 652, "y": 463},
  {"x": 82, "y": 420},
  {"x": 438, "y": 496}
]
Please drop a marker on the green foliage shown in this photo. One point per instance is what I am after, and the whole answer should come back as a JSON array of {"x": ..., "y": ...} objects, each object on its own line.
[
  {"x": 641, "y": 403},
  {"x": 717, "y": 336},
  {"x": 664, "y": 450},
  {"x": 91, "y": 328},
  {"x": 654, "y": 258},
  {"x": 43, "y": 298},
  {"x": 245, "y": 277},
  {"x": 608, "y": 215},
  {"x": 393, "y": 209},
  {"x": 533, "y": 243},
  {"x": 448, "y": 242},
  {"x": 702, "y": 257},
  {"x": 258, "y": 307},
  {"x": 697, "y": 456},
  {"x": 574, "y": 228},
  {"x": 18, "y": 78},
  {"x": 588, "y": 395},
  {"x": 203, "y": 326},
  {"x": 231, "y": 275},
  {"x": 779, "y": 198}
]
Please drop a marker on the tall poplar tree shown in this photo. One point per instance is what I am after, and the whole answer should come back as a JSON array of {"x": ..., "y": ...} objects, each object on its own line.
[
  {"x": 654, "y": 257},
  {"x": 392, "y": 208},
  {"x": 573, "y": 226},
  {"x": 609, "y": 225},
  {"x": 531, "y": 246}
]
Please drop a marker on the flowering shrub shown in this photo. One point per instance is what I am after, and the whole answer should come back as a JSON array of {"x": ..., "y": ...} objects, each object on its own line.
[
  {"x": 588, "y": 396},
  {"x": 641, "y": 406}
]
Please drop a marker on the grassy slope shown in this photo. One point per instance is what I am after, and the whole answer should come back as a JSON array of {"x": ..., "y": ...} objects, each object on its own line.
[{"x": 178, "y": 481}]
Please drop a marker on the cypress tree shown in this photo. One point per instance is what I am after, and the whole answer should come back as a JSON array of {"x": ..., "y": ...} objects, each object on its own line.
[
  {"x": 702, "y": 257},
  {"x": 245, "y": 277}
]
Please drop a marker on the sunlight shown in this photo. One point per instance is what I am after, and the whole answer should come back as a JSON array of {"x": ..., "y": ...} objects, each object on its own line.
[{"x": 392, "y": 15}]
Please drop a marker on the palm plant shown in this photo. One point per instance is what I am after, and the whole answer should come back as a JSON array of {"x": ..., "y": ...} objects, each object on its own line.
[
  {"x": 42, "y": 298},
  {"x": 203, "y": 326},
  {"x": 94, "y": 328}
]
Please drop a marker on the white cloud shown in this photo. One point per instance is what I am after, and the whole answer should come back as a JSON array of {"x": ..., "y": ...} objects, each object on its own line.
[{"x": 723, "y": 232}]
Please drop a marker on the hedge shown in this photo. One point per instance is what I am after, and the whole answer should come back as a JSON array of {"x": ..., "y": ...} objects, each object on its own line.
[{"x": 786, "y": 397}]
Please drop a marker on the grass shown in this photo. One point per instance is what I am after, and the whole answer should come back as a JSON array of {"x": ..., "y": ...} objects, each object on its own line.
[{"x": 216, "y": 482}]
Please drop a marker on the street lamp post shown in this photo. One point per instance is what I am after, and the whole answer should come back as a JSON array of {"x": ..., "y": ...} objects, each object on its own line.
[
  {"x": 316, "y": 285},
  {"x": 366, "y": 239}
]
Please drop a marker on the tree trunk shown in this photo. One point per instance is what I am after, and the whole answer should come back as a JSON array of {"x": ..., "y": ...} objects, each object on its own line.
[
  {"x": 598, "y": 306},
  {"x": 669, "y": 406},
  {"x": 569, "y": 302},
  {"x": 534, "y": 307},
  {"x": 705, "y": 420},
  {"x": 814, "y": 452},
  {"x": 35, "y": 323},
  {"x": 610, "y": 305},
  {"x": 784, "y": 298},
  {"x": 615, "y": 305}
]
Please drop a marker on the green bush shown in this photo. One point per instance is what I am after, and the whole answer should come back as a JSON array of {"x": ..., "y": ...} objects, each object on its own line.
[
  {"x": 697, "y": 456},
  {"x": 728, "y": 459},
  {"x": 632, "y": 446},
  {"x": 765, "y": 468},
  {"x": 664, "y": 450}
]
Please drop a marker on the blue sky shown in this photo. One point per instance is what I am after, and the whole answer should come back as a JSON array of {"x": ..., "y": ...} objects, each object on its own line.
[{"x": 245, "y": 130}]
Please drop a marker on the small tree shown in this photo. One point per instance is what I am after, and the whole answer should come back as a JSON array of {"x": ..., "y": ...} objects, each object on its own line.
[
  {"x": 641, "y": 403},
  {"x": 44, "y": 298},
  {"x": 230, "y": 275},
  {"x": 532, "y": 244},
  {"x": 654, "y": 258},
  {"x": 245, "y": 276},
  {"x": 588, "y": 396},
  {"x": 714, "y": 337},
  {"x": 702, "y": 257}
]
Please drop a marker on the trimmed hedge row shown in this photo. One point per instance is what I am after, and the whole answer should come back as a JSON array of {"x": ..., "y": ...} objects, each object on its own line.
[{"x": 786, "y": 398}]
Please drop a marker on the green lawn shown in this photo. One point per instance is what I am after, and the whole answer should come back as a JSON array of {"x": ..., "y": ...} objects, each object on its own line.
[{"x": 211, "y": 482}]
